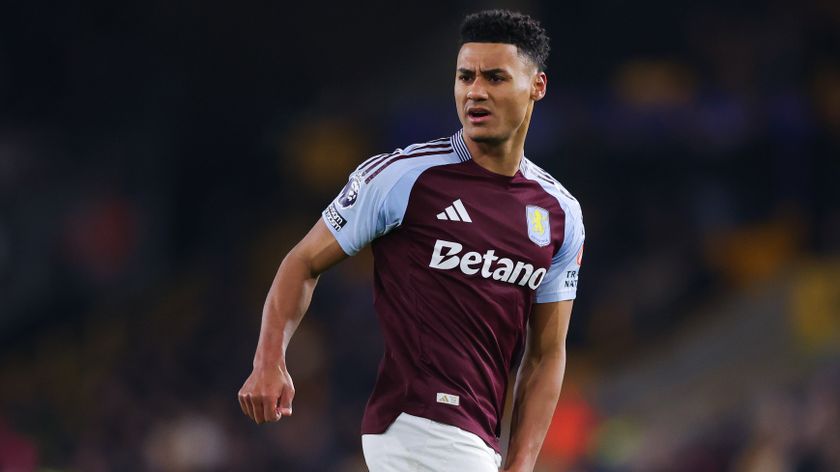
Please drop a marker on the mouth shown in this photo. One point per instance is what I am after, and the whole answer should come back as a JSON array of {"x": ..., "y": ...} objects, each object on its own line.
[{"x": 478, "y": 114}]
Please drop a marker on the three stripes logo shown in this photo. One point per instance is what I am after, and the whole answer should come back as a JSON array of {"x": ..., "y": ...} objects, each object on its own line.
[{"x": 455, "y": 212}]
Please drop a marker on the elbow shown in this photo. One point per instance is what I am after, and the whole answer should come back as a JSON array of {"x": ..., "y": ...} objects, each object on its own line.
[
  {"x": 553, "y": 366},
  {"x": 555, "y": 357},
  {"x": 296, "y": 261}
]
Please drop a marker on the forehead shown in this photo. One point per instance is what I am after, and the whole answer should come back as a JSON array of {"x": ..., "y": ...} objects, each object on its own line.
[{"x": 489, "y": 56}]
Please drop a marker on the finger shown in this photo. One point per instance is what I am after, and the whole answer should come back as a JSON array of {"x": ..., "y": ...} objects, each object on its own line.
[
  {"x": 246, "y": 400},
  {"x": 252, "y": 410},
  {"x": 241, "y": 397},
  {"x": 269, "y": 404},
  {"x": 286, "y": 398},
  {"x": 257, "y": 408}
]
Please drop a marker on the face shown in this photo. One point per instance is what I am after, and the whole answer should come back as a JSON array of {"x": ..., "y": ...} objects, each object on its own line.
[{"x": 495, "y": 89}]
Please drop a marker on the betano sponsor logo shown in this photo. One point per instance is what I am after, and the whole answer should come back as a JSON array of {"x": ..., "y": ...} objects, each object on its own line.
[{"x": 488, "y": 265}]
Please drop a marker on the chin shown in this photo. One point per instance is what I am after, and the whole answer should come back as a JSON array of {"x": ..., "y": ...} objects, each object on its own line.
[{"x": 483, "y": 136}]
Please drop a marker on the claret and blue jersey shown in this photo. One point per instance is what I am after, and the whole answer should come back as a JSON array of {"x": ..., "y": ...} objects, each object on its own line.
[{"x": 460, "y": 256}]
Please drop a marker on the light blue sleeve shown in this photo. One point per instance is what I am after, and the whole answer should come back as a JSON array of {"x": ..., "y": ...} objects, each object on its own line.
[
  {"x": 370, "y": 206},
  {"x": 358, "y": 214},
  {"x": 560, "y": 283}
]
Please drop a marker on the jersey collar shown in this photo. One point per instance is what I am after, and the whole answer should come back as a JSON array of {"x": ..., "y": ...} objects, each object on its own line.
[
  {"x": 457, "y": 141},
  {"x": 460, "y": 146}
]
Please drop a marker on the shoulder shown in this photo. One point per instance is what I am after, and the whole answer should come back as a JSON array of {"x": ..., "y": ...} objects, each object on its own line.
[
  {"x": 552, "y": 186},
  {"x": 387, "y": 169}
]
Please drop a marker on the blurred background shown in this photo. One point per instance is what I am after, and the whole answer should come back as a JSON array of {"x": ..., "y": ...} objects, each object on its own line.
[{"x": 158, "y": 159}]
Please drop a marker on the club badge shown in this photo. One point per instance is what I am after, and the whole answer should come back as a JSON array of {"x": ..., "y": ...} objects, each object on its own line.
[{"x": 539, "y": 229}]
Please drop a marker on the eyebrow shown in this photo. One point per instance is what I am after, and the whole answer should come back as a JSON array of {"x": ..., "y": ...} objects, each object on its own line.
[{"x": 464, "y": 70}]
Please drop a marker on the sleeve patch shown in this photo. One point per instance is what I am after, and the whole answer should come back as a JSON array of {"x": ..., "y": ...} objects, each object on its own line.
[
  {"x": 350, "y": 193},
  {"x": 334, "y": 218}
]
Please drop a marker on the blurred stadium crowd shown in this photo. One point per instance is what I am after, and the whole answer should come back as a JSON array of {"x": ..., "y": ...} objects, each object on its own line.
[{"x": 158, "y": 159}]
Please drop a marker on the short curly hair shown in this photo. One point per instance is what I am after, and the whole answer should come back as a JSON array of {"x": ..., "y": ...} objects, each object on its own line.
[{"x": 509, "y": 27}]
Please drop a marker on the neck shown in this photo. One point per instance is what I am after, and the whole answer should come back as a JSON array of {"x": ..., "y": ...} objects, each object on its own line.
[{"x": 501, "y": 157}]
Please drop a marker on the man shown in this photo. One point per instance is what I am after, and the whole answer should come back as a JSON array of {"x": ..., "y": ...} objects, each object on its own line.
[{"x": 474, "y": 246}]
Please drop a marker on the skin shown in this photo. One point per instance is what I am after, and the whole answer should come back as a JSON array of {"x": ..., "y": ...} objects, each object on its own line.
[
  {"x": 538, "y": 383},
  {"x": 268, "y": 392},
  {"x": 503, "y": 82},
  {"x": 495, "y": 77}
]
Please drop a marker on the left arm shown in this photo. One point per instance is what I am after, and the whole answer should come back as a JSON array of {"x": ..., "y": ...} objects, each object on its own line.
[{"x": 538, "y": 384}]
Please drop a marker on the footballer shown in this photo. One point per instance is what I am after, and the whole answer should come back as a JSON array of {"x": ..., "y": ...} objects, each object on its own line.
[{"x": 476, "y": 258}]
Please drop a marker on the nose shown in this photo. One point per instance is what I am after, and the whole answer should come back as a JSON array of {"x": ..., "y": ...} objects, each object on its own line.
[{"x": 476, "y": 91}]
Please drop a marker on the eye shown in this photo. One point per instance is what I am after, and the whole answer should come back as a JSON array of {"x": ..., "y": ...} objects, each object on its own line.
[
  {"x": 464, "y": 77},
  {"x": 496, "y": 78}
]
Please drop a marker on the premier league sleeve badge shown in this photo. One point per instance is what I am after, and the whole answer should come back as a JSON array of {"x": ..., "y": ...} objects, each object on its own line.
[{"x": 347, "y": 197}]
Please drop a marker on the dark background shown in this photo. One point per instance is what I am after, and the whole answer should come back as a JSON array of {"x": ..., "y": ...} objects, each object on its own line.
[{"x": 158, "y": 159}]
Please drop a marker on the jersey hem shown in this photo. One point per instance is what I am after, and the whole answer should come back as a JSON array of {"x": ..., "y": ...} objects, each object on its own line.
[
  {"x": 551, "y": 298},
  {"x": 492, "y": 442}
]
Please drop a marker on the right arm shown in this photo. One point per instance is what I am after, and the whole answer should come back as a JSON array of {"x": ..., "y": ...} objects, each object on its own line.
[
  {"x": 268, "y": 392},
  {"x": 364, "y": 210}
]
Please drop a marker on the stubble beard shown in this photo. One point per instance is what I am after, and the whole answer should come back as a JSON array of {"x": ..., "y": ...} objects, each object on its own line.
[{"x": 492, "y": 140}]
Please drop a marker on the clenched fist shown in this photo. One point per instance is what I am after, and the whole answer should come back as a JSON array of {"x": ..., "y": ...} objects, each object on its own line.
[{"x": 267, "y": 394}]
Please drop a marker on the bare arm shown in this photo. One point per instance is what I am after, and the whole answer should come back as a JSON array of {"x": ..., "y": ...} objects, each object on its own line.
[
  {"x": 268, "y": 392},
  {"x": 538, "y": 384}
]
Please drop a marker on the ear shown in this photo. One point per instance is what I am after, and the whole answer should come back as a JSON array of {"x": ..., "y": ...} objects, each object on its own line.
[{"x": 538, "y": 86}]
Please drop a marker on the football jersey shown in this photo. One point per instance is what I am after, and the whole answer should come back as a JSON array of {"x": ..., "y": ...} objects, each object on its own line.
[{"x": 460, "y": 256}]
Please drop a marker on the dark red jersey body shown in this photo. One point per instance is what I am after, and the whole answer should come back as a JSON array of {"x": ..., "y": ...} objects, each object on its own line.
[{"x": 461, "y": 255}]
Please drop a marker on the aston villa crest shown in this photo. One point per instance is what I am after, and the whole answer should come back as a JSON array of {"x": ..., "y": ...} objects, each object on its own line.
[{"x": 539, "y": 230}]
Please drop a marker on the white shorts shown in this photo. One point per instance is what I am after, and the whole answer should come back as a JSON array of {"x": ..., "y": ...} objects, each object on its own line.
[{"x": 413, "y": 443}]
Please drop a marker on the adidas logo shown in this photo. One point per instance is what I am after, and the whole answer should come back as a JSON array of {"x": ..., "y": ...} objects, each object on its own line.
[{"x": 455, "y": 212}]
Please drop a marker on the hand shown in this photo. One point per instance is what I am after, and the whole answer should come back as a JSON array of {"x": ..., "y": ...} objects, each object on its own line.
[{"x": 267, "y": 394}]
